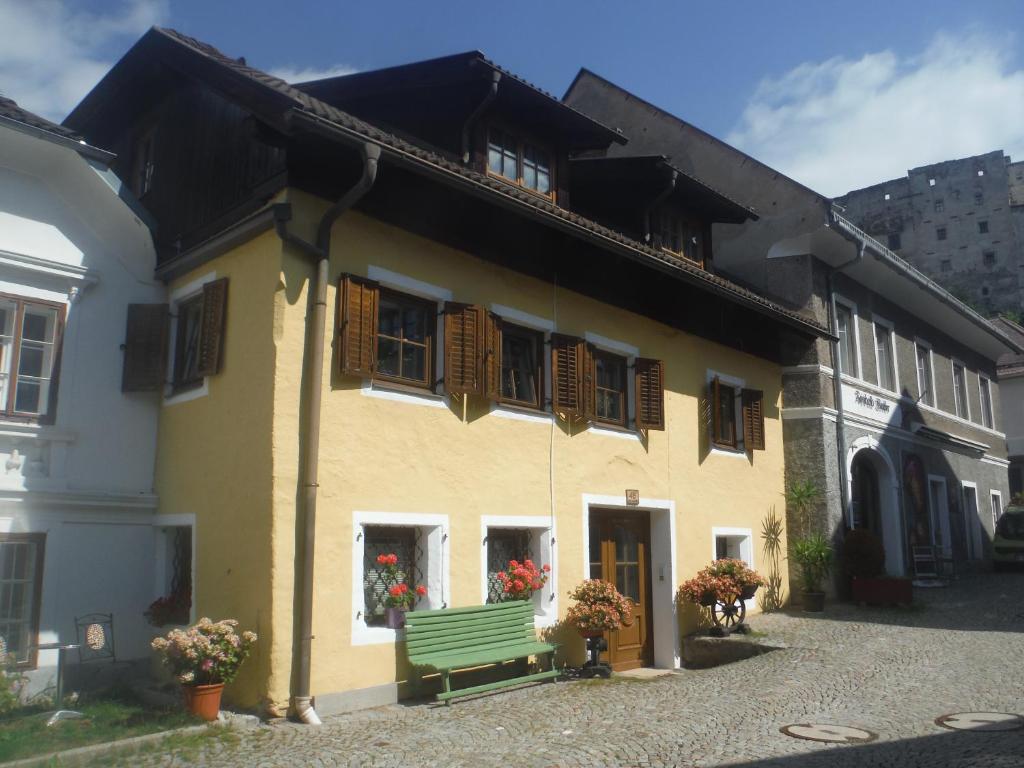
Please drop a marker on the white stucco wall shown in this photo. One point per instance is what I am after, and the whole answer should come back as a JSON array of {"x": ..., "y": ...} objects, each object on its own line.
[
  {"x": 1011, "y": 404},
  {"x": 66, "y": 237}
]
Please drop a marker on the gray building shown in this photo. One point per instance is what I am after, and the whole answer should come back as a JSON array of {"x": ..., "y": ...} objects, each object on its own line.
[
  {"x": 897, "y": 419},
  {"x": 961, "y": 222}
]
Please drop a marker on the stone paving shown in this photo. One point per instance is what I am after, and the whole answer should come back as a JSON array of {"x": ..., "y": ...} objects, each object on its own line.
[{"x": 889, "y": 671}]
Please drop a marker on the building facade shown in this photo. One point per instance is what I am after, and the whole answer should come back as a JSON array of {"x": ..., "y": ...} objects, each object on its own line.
[
  {"x": 959, "y": 222},
  {"x": 503, "y": 375},
  {"x": 1011, "y": 393},
  {"x": 78, "y": 528},
  {"x": 897, "y": 422}
]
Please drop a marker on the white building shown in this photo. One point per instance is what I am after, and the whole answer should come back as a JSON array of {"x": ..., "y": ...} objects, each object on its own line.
[{"x": 78, "y": 532}]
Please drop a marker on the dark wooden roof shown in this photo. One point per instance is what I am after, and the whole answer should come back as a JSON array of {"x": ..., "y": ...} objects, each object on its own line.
[
  {"x": 9, "y": 109},
  {"x": 284, "y": 105}
]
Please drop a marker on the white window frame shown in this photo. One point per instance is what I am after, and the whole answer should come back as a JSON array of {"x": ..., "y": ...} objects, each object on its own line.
[
  {"x": 876, "y": 321},
  {"x": 739, "y": 385},
  {"x": 918, "y": 342},
  {"x": 546, "y": 327},
  {"x": 162, "y": 565},
  {"x": 631, "y": 353},
  {"x": 855, "y": 321},
  {"x": 176, "y": 298},
  {"x": 746, "y": 549},
  {"x": 435, "y": 569},
  {"x": 992, "y": 496},
  {"x": 542, "y": 531},
  {"x": 985, "y": 384},
  {"x": 412, "y": 286},
  {"x": 953, "y": 363},
  {"x": 939, "y": 518}
]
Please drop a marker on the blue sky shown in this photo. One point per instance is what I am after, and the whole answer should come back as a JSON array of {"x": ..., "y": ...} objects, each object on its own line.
[{"x": 837, "y": 96}]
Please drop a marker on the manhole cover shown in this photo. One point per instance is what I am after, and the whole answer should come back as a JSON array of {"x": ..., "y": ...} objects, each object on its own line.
[
  {"x": 981, "y": 721},
  {"x": 830, "y": 734}
]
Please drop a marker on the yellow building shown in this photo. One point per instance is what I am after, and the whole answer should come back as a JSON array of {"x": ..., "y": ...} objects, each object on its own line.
[{"x": 490, "y": 372}]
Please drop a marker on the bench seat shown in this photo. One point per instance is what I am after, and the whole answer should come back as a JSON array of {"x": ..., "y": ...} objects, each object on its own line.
[{"x": 452, "y": 639}]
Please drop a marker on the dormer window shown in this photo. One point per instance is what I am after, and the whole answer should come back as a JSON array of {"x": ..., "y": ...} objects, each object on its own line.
[
  {"x": 518, "y": 161},
  {"x": 678, "y": 235}
]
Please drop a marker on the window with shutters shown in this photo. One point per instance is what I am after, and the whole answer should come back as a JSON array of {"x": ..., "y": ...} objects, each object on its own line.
[
  {"x": 21, "y": 581},
  {"x": 522, "y": 371},
  {"x": 519, "y": 161},
  {"x": 736, "y": 415},
  {"x": 197, "y": 328},
  {"x": 609, "y": 373},
  {"x": 30, "y": 335},
  {"x": 405, "y": 338}
]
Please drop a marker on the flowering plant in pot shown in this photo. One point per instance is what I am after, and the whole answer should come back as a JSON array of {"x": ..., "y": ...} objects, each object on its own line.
[
  {"x": 400, "y": 597},
  {"x": 203, "y": 658},
  {"x": 725, "y": 580},
  {"x": 521, "y": 580},
  {"x": 598, "y": 608}
]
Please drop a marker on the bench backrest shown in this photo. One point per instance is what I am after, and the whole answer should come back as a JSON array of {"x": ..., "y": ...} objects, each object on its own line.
[{"x": 450, "y": 630}]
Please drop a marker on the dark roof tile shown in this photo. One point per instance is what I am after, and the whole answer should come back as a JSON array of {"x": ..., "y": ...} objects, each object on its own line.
[{"x": 10, "y": 109}]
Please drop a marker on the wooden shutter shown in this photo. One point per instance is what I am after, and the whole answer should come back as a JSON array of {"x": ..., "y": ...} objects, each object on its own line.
[
  {"x": 464, "y": 348},
  {"x": 753, "y": 419},
  {"x": 145, "y": 348},
  {"x": 211, "y": 333},
  {"x": 566, "y": 374},
  {"x": 650, "y": 393},
  {"x": 358, "y": 325},
  {"x": 492, "y": 356}
]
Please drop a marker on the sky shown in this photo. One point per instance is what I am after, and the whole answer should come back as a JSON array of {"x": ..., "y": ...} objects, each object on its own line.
[{"x": 835, "y": 96}]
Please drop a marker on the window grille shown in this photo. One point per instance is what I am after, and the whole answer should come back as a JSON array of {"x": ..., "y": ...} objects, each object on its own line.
[
  {"x": 504, "y": 544},
  {"x": 404, "y": 541}
]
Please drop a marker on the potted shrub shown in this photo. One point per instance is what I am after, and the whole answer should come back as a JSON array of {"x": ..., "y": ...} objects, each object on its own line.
[
  {"x": 598, "y": 608},
  {"x": 400, "y": 598},
  {"x": 863, "y": 559},
  {"x": 722, "y": 587},
  {"x": 520, "y": 580},
  {"x": 813, "y": 557},
  {"x": 204, "y": 657}
]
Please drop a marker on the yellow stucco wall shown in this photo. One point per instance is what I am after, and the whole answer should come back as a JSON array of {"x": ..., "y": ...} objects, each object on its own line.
[{"x": 232, "y": 457}]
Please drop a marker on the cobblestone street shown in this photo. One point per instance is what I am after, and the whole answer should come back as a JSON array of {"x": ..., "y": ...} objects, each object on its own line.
[{"x": 892, "y": 672}]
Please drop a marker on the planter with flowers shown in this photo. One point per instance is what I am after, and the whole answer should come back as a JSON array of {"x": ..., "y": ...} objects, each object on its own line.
[
  {"x": 722, "y": 587},
  {"x": 400, "y": 597},
  {"x": 203, "y": 658},
  {"x": 521, "y": 580},
  {"x": 597, "y": 608}
]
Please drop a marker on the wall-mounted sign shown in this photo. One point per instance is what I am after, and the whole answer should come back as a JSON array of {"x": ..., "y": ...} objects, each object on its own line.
[
  {"x": 632, "y": 497},
  {"x": 873, "y": 406}
]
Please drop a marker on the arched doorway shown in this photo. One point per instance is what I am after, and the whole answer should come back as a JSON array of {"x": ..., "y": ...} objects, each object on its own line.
[
  {"x": 873, "y": 495},
  {"x": 865, "y": 501}
]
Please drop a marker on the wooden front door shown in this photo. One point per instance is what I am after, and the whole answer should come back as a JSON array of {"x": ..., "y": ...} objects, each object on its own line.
[{"x": 620, "y": 546}]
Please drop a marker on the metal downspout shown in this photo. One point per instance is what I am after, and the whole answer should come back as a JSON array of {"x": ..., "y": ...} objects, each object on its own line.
[
  {"x": 837, "y": 382},
  {"x": 311, "y": 432},
  {"x": 490, "y": 96}
]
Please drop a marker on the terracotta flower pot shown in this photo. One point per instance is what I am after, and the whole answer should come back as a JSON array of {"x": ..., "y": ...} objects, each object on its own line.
[
  {"x": 203, "y": 700},
  {"x": 394, "y": 618},
  {"x": 588, "y": 633}
]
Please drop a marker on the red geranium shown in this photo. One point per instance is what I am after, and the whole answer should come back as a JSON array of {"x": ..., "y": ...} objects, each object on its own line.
[{"x": 520, "y": 580}]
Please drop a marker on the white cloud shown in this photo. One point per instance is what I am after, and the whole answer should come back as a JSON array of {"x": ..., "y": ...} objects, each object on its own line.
[
  {"x": 294, "y": 74},
  {"x": 840, "y": 124},
  {"x": 53, "y": 54}
]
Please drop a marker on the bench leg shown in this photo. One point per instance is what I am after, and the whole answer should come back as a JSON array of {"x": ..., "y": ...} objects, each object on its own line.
[
  {"x": 414, "y": 682},
  {"x": 447, "y": 688}
]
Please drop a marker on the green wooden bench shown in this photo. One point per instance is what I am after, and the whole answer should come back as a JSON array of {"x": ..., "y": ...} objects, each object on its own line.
[{"x": 451, "y": 639}]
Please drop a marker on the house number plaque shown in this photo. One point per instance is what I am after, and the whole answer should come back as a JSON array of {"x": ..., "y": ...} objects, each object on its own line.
[{"x": 632, "y": 497}]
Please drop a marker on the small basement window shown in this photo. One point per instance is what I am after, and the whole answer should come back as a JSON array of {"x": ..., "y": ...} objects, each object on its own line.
[
  {"x": 406, "y": 543},
  {"x": 734, "y": 544},
  {"x": 21, "y": 579}
]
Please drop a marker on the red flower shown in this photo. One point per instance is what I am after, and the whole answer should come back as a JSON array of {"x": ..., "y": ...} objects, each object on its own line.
[
  {"x": 517, "y": 585},
  {"x": 396, "y": 591},
  {"x": 421, "y": 590}
]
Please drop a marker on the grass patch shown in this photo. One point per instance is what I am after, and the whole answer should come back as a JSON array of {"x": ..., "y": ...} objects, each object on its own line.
[{"x": 108, "y": 717}]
